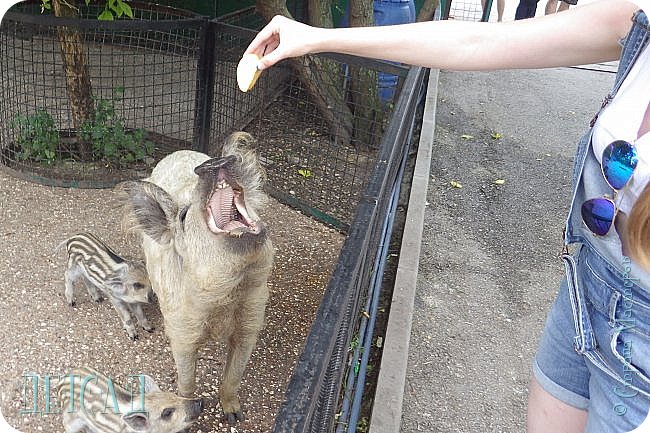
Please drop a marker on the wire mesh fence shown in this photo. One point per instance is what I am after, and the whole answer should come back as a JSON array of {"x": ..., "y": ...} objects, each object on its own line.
[
  {"x": 467, "y": 10},
  {"x": 90, "y": 103}
]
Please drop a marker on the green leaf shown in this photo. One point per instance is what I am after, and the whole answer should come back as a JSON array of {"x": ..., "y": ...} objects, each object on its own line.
[
  {"x": 499, "y": 181},
  {"x": 105, "y": 16},
  {"x": 495, "y": 136},
  {"x": 455, "y": 184},
  {"x": 467, "y": 137},
  {"x": 305, "y": 172},
  {"x": 127, "y": 10},
  {"x": 114, "y": 8}
]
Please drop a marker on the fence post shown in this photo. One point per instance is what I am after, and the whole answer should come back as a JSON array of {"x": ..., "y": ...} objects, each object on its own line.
[{"x": 204, "y": 99}]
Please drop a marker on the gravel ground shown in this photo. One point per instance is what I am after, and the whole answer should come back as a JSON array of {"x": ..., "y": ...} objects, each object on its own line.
[{"x": 44, "y": 336}]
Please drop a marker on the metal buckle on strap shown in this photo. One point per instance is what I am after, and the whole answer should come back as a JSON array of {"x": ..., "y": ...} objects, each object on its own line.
[{"x": 604, "y": 104}]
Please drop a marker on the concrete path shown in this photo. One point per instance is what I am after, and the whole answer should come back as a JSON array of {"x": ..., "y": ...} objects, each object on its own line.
[{"x": 498, "y": 191}]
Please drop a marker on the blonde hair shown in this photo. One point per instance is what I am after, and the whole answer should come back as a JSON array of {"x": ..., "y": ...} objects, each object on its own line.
[{"x": 637, "y": 230}]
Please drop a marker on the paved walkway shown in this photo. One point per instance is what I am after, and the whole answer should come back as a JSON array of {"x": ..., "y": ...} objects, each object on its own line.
[{"x": 498, "y": 191}]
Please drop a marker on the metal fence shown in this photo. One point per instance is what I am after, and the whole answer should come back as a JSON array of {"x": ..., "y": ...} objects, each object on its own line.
[
  {"x": 141, "y": 77},
  {"x": 166, "y": 81},
  {"x": 314, "y": 396},
  {"x": 466, "y": 10}
]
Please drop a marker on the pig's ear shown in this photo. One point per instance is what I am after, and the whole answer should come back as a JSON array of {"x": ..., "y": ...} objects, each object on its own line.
[
  {"x": 148, "y": 209},
  {"x": 138, "y": 421},
  {"x": 150, "y": 385}
]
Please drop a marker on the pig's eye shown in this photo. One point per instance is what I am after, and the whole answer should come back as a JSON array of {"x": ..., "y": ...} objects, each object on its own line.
[
  {"x": 138, "y": 286},
  {"x": 167, "y": 413}
]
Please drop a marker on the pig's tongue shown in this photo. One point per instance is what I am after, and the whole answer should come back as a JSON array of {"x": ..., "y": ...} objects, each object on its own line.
[
  {"x": 223, "y": 210},
  {"x": 221, "y": 206}
]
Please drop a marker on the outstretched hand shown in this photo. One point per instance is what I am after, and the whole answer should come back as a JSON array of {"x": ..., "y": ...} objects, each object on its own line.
[{"x": 282, "y": 38}]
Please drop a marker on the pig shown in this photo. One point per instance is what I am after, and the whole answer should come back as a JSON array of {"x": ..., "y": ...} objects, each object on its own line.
[
  {"x": 105, "y": 274},
  {"x": 208, "y": 256},
  {"x": 93, "y": 403}
]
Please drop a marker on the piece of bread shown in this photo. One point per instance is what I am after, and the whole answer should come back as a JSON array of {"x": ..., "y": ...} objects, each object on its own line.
[{"x": 247, "y": 72}]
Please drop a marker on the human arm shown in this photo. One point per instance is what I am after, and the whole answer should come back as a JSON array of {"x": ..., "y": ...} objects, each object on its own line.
[{"x": 585, "y": 34}]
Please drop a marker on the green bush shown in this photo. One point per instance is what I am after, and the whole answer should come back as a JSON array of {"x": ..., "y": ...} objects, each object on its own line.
[
  {"x": 37, "y": 136},
  {"x": 110, "y": 141}
]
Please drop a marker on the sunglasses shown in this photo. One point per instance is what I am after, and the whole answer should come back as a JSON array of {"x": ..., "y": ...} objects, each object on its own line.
[{"x": 617, "y": 164}]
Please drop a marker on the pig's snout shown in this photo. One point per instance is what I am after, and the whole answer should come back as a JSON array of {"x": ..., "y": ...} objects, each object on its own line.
[{"x": 211, "y": 166}]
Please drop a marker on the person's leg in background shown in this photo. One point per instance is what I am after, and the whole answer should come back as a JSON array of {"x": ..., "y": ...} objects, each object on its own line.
[
  {"x": 501, "y": 4},
  {"x": 551, "y": 7},
  {"x": 526, "y": 9}
]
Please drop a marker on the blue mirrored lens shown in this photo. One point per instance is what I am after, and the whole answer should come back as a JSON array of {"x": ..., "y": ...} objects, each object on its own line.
[
  {"x": 619, "y": 161},
  {"x": 598, "y": 214}
]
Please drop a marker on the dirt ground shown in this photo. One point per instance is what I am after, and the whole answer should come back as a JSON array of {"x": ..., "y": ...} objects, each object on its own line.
[{"x": 44, "y": 336}]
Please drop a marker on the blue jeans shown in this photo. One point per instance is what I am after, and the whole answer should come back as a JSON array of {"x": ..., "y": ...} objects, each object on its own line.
[
  {"x": 594, "y": 353},
  {"x": 526, "y": 9}
]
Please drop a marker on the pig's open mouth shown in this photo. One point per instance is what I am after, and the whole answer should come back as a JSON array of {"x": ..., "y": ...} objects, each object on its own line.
[{"x": 226, "y": 210}]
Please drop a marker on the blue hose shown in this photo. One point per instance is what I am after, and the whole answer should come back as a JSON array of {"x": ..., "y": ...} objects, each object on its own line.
[{"x": 367, "y": 325}]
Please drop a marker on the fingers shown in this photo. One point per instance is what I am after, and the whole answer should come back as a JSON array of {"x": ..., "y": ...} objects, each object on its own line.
[
  {"x": 267, "y": 41},
  {"x": 281, "y": 38},
  {"x": 261, "y": 40}
]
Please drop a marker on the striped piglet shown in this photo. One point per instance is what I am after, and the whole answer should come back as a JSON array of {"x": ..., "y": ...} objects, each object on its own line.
[
  {"x": 93, "y": 403},
  {"x": 125, "y": 282}
]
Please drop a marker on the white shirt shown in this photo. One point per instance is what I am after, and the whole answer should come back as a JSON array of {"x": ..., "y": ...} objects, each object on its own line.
[{"x": 621, "y": 119}]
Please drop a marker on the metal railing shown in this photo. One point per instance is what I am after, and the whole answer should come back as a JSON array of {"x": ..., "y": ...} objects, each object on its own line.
[{"x": 314, "y": 393}]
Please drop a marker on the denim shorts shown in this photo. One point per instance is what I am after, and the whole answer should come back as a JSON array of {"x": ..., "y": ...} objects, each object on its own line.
[{"x": 594, "y": 353}]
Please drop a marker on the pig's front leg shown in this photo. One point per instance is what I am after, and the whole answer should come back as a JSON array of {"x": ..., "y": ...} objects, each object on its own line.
[
  {"x": 240, "y": 347},
  {"x": 136, "y": 309},
  {"x": 185, "y": 359},
  {"x": 125, "y": 314},
  {"x": 71, "y": 275}
]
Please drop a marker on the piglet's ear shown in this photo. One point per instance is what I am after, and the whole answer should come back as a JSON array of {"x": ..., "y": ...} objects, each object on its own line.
[
  {"x": 150, "y": 384},
  {"x": 149, "y": 209},
  {"x": 115, "y": 280},
  {"x": 138, "y": 421}
]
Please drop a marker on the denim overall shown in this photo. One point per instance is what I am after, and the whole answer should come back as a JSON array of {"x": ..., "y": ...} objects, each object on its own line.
[{"x": 595, "y": 350}]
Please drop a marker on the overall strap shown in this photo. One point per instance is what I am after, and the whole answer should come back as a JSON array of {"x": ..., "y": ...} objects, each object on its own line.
[{"x": 631, "y": 51}]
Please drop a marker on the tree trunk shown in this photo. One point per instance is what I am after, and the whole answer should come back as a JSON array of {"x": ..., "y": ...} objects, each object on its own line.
[
  {"x": 363, "y": 85},
  {"x": 428, "y": 10},
  {"x": 320, "y": 13},
  {"x": 313, "y": 72},
  {"x": 77, "y": 74}
]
